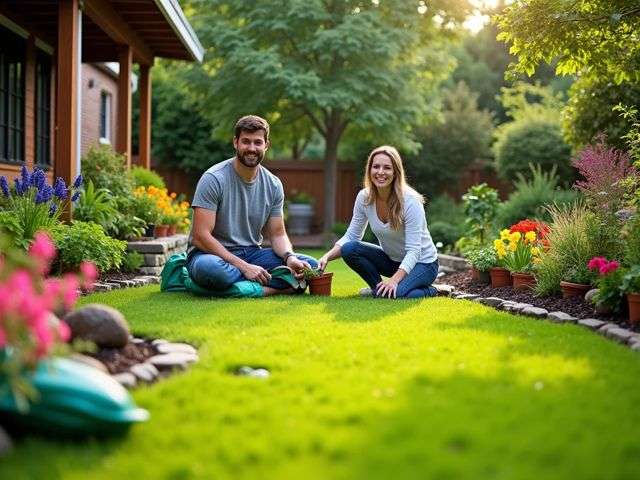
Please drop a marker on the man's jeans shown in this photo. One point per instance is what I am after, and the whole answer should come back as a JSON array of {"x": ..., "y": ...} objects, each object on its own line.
[
  {"x": 212, "y": 272},
  {"x": 369, "y": 261}
]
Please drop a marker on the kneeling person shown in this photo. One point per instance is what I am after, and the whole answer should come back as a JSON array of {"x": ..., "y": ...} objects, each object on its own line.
[{"x": 235, "y": 201}]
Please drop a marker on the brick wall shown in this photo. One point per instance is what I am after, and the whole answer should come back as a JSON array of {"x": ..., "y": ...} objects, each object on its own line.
[{"x": 94, "y": 82}]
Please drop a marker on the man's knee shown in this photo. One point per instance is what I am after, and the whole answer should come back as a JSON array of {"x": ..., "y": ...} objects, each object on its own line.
[
  {"x": 349, "y": 249},
  {"x": 210, "y": 271}
]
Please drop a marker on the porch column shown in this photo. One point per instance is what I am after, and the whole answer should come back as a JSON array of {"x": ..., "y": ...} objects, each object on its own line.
[
  {"x": 144, "y": 86},
  {"x": 65, "y": 159},
  {"x": 123, "y": 128}
]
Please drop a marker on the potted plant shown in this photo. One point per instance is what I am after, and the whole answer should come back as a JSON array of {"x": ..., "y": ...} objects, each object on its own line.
[
  {"x": 145, "y": 207},
  {"x": 299, "y": 213},
  {"x": 500, "y": 276},
  {"x": 319, "y": 281},
  {"x": 482, "y": 260},
  {"x": 519, "y": 254},
  {"x": 631, "y": 286},
  {"x": 609, "y": 282},
  {"x": 577, "y": 281}
]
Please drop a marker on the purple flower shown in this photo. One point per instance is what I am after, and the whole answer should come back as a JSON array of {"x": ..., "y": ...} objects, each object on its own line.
[
  {"x": 44, "y": 195},
  {"x": 19, "y": 187},
  {"x": 38, "y": 179},
  {"x": 26, "y": 177},
  {"x": 75, "y": 197},
  {"x": 78, "y": 181},
  {"x": 4, "y": 185},
  {"x": 60, "y": 189},
  {"x": 53, "y": 208}
]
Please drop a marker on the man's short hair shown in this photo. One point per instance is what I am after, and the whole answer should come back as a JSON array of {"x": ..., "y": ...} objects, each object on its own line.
[{"x": 251, "y": 124}]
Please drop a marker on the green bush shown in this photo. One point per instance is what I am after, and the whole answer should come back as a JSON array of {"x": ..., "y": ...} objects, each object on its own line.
[
  {"x": 531, "y": 197},
  {"x": 480, "y": 205},
  {"x": 445, "y": 233},
  {"x": 96, "y": 205},
  {"x": 536, "y": 141},
  {"x": 482, "y": 259},
  {"x": 132, "y": 262},
  {"x": 445, "y": 220},
  {"x": 143, "y": 177},
  {"x": 87, "y": 241},
  {"x": 631, "y": 238},
  {"x": 107, "y": 169},
  {"x": 10, "y": 226}
]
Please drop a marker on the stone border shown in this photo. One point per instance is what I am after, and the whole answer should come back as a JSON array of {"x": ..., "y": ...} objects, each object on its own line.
[
  {"x": 109, "y": 285},
  {"x": 607, "y": 329}
]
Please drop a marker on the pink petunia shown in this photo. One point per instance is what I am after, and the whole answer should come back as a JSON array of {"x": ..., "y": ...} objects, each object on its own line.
[
  {"x": 611, "y": 266},
  {"x": 70, "y": 291},
  {"x": 42, "y": 247},
  {"x": 596, "y": 263},
  {"x": 89, "y": 274},
  {"x": 64, "y": 332}
]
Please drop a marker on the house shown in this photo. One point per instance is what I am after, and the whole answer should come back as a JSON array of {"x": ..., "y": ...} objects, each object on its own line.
[{"x": 66, "y": 76}]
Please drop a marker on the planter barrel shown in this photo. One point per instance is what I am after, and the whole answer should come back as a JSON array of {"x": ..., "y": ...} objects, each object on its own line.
[
  {"x": 633, "y": 299},
  {"x": 523, "y": 281},
  {"x": 500, "y": 277},
  {"x": 570, "y": 289},
  {"x": 321, "y": 285},
  {"x": 299, "y": 218}
]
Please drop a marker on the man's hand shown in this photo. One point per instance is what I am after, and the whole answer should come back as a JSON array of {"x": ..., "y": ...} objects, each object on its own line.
[
  {"x": 387, "y": 288},
  {"x": 256, "y": 273},
  {"x": 297, "y": 266}
]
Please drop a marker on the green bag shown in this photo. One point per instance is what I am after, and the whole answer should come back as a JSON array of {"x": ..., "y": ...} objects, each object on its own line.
[{"x": 175, "y": 278}]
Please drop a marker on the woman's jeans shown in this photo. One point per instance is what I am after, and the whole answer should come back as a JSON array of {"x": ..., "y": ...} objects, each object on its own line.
[
  {"x": 212, "y": 272},
  {"x": 370, "y": 262}
]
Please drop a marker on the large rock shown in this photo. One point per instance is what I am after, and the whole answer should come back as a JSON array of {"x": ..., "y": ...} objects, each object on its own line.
[
  {"x": 588, "y": 297},
  {"x": 103, "y": 325}
]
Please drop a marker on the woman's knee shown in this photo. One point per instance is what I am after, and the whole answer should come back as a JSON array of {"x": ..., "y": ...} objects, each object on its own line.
[{"x": 349, "y": 249}]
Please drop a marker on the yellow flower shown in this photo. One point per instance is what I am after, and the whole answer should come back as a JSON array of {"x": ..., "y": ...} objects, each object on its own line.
[
  {"x": 513, "y": 246},
  {"x": 535, "y": 251},
  {"x": 530, "y": 236},
  {"x": 504, "y": 234},
  {"x": 515, "y": 237}
]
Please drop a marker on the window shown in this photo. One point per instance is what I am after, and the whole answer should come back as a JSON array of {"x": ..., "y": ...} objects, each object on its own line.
[
  {"x": 12, "y": 55},
  {"x": 105, "y": 117},
  {"x": 43, "y": 109}
]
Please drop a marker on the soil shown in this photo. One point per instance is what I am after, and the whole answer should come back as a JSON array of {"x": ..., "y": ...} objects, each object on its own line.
[
  {"x": 575, "y": 306},
  {"x": 105, "y": 277},
  {"x": 119, "y": 360}
]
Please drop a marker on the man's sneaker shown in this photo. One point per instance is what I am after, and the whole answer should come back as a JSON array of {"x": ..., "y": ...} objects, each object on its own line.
[{"x": 366, "y": 292}]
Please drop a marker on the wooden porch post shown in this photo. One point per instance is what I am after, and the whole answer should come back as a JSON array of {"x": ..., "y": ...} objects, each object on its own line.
[
  {"x": 144, "y": 154},
  {"x": 65, "y": 159},
  {"x": 123, "y": 135}
]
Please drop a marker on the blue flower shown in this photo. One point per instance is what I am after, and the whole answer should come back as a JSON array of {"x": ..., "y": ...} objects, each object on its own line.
[
  {"x": 26, "y": 177},
  {"x": 78, "y": 181},
  {"x": 75, "y": 197},
  {"x": 44, "y": 195},
  {"x": 19, "y": 188},
  {"x": 60, "y": 189},
  {"x": 53, "y": 208},
  {"x": 4, "y": 185},
  {"x": 38, "y": 179}
]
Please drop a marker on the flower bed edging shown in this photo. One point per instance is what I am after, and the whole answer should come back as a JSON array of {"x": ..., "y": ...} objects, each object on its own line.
[{"x": 609, "y": 330}]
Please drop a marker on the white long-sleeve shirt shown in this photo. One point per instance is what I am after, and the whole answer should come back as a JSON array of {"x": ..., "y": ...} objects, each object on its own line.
[{"x": 409, "y": 245}]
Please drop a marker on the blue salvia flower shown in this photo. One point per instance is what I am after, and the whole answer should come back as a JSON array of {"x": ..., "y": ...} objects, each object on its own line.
[
  {"x": 53, "y": 208},
  {"x": 19, "y": 189},
  {"x": 4, "y": 185},
  {"x": 44, "y": 194},
  {"x": 78, "y": 181},
  {"x": 60, "y": 189},
  {"x": 26, "y": 177},
  {"x": 75, "y": 197},
  {"x": 38, "y": 179}
]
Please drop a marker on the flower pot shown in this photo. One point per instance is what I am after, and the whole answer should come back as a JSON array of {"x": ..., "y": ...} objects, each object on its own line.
[
  {"x": 523, "y": 281},
  {"x": 500, "y": 277},
  {"x": 160, "y": 231},
  {"x": 570, "y": 289},
  {"x": 172, "y": 230},
  {"x": 480, "y": 276},
  {"x": 320, "y": 285},
  {"x": 633, "y": 299}
]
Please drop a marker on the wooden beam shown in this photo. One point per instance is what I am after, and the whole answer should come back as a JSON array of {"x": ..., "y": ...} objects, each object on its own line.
[
  {"x": 123, "y": 126},
  {"x": 144, "y": 85},
  {"x": 65, "y": 165},
  {"x": 109, "y": 20}
]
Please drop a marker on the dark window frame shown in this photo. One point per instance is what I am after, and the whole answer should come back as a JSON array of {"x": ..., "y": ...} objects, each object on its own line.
[
  {"x": 105, "y": 114},
  {"x": 42, "y": 136},
  {"x": 13, "y": 49}
]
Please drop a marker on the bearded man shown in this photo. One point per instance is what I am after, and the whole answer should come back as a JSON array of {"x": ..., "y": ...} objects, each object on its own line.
[{"x": 234, "y": 203}]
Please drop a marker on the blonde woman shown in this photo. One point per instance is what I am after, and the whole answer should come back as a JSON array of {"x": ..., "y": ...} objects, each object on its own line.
[{"x": 406, "y": 255}]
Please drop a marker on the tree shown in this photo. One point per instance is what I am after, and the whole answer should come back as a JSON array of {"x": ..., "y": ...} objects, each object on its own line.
[{"x": 344, "y": 65}]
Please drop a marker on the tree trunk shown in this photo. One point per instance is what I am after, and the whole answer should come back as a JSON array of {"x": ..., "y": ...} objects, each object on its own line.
[{"x": 330, "y": 176}]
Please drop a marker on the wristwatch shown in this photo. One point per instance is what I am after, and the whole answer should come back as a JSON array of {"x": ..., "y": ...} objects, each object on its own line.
[{"x": 286, "y": 256}]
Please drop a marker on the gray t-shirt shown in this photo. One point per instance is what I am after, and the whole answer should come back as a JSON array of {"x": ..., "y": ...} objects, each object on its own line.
[{"x": 242, "y": 208}]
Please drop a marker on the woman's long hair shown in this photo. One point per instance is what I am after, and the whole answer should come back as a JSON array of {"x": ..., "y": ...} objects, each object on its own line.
[{"x": 399, "y": 186}]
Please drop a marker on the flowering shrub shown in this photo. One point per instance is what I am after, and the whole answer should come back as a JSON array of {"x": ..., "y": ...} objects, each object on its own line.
[
  {"x": 609, "y": 282},
  {"x": 35, "y": 204},
  {"x": 172, "y": 211},
  {"x": 28, "y": 329},
  {"x": 517, "y": 251}
]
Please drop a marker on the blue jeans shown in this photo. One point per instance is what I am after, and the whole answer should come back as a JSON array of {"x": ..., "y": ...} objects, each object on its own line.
[
  {"x": 369, "y": 261},
  {"x": 212, "y": 272}
]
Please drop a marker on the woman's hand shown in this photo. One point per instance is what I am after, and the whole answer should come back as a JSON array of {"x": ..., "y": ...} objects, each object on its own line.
[
  {"x": 387, "y": 288},
  {"x": 322, "y": 262}
]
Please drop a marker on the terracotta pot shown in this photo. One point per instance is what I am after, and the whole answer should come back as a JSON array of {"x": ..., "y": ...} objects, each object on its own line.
[
  {"x": 500, "y": 277},
  {"x": 321, "y": 285},
  {"x": 172, "y": 230},
  {"x": 160, "y": 231},
  {"x": 633, "y": 299},
  {"x": 523, "y": 281},
  {"x": 570, "y": 289},
  {"x": 480, "y": 277}
]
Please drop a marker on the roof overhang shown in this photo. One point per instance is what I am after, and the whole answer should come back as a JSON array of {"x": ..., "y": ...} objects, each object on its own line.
[{"x": 182, "y": 28}]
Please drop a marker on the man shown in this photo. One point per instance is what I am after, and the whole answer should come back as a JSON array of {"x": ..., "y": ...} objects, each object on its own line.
[{"x": 235, "y": 201}]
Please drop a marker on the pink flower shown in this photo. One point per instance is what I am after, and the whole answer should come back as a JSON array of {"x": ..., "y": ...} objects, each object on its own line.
[
  {"x": 89, "y": 274},
  {"x": 70, "y": 290},
  {"x": 43, "y": 249},
  {"x": 611, "y": 266},
  {"x": 64, "y": 332},
  {"x": 596, "y": 263}
]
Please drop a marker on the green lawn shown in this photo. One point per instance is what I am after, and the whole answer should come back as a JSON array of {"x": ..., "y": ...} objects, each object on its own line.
[{"x": 364, "y": 389}]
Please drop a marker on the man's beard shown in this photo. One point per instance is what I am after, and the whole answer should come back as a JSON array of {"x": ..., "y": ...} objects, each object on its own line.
[{"x": 247, "y": 162}]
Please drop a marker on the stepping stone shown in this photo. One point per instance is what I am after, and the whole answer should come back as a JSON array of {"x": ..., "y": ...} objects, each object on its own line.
[
  {"x": 517, "y": 307},
  {"x": 561, "y": 317},
  {"x": 137, "y": 341},
  {"x": 636, "y": 347},
  {"x": 607, "y": 326},
  {"x": 102, "y": 287},
  {"x": 491, "y": 301},
  {"x": 443, "y": 289},
  {"x": 158, "y": 341},
  {"x": 253, "y": 372},
  {"x": 126, "y": 379},
  {"x": 535, "y": 312},
  {"x": 635, "y": 338},
  {"x": 621, "y": 335},
  {"x": 169, "y": 361},
  {"x": 90, "y": 361},
  {"x": 592, "y": 323},
  {"x": 145, "y": 372},
  {"x": 176, "y": 347},
  {"x": 467, "y": 296}
]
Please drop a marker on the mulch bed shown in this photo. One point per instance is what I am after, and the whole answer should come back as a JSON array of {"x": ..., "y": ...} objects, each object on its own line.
[
  {"x": 575, "y": 306},
  {"x": 119, "y": 360},
  {"x": 105, "y": 277}
]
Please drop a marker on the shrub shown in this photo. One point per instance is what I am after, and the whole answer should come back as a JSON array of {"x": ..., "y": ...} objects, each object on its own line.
[
  {"x": 143, "y": 177},
  {"x": 96, "y": 205},
  {"x": 107, "y": 169},
  {"x": 445, "y": 233},
  {"x": 482, "y": 259},
  {"x": 131, "y": 262},
  {"x": 536, "y": 141},
  {"x": 531, "y": 197},
  {"x": 86, "y": 241},
  {"x": 480, "y": 206},
  {"x": 631, "y": 239},
  {"x": 609, "y": 282}
]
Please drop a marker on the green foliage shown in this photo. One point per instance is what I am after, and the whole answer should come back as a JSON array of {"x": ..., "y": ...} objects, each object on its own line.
[
  {"x": 107, "y": 169},
  {"x": 11, "y": 228},
  {"x": 631, "y": 239},
  {"x": 143, "y": 177},
  {"x": 531, "y": 197},
  {"x": 131, "y": 262},
  {"x": 610, "y": 293},
  {"x": 96, "y": 205},
  {"x": 445, "y": 220},
  {"x": 448, "y": 147},
  {"x": 146, "y": 208},
  {"x": 480, "y": 205},
  {"x": 301, "y": 197},
  {"x": 87, "y": 241},
  {"x": 631, "y": 280},
  {"x": 482, "y": 259}
]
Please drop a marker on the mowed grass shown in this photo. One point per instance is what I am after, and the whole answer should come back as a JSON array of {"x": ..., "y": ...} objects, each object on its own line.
[{"x": 364, "y": 389}]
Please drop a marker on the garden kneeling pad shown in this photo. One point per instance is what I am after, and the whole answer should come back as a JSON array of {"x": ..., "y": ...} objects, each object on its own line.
[{"x": 74, "y": 400}]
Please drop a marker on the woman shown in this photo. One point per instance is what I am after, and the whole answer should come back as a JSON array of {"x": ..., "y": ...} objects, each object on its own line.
[{"x": 406, "y": 255}]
